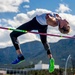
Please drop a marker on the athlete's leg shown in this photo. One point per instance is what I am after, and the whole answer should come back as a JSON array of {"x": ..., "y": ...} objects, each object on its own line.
[
  {"x": 14, "y": 37},
  {"x": 44, "y": 41},
  {"x": 47, "y": 48},
  {"x": 33, "y": 24}
]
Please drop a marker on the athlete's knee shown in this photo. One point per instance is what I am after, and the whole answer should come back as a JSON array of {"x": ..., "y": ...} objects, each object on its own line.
[
  {"x": 13, "y": 37},
  {"x": 12, "y": 34}
]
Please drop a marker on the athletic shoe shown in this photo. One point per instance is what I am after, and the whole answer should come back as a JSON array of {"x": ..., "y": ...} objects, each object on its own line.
[
  {"x": 18, "y": 60},
  {"x": 51, "y": 65}
]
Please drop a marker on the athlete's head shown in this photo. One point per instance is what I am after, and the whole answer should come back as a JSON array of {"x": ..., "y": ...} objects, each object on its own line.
[{"x": 64, "y": 26}]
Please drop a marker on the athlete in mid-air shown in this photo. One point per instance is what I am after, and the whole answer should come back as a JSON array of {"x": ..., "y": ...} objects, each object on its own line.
[{"x": 40, "y": 23}]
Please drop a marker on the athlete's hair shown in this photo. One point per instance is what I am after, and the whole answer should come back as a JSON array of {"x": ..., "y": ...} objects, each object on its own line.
[{"x": 64, "y": 30}]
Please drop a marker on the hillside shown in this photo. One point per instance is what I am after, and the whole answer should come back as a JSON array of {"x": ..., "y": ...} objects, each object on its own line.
[{"x": 34, "y": 52}]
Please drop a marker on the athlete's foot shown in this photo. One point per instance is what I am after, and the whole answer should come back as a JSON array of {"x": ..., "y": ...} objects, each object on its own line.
[
  {"x": 51, "y": 65},
  {"x": 18, "y": 60}
]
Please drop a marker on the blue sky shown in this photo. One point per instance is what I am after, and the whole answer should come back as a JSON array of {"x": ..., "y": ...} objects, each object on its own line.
[
  {"x": 34, "y": 4},
  {"x": 13, "y": 13}
]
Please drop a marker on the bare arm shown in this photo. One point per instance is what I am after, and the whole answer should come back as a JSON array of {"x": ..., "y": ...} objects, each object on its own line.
[{"x": 51, "y": 20}]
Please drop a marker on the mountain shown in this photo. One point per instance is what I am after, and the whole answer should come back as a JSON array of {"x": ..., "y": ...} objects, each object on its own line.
[{"x": 34, "y": 52}]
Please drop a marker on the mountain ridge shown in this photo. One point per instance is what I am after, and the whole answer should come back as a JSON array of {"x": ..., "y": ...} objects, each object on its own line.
[{"x": 34, "y": 52}]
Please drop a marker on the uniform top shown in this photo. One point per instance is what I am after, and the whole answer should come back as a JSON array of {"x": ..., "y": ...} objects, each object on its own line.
[{"x": 42, "y": 18}]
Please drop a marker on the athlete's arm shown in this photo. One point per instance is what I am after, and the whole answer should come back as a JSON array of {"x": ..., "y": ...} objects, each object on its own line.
[{"x": 50, "y": 18}]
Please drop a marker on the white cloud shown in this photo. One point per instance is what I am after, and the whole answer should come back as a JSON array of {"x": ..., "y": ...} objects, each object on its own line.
[
  {"x": 24, "y": 17},
  {"x": 10, "y": 5},
  {"x": 4, "y": 38},
  {"x": 28, "y": 37},
  {"x": 63, "y": 8},
  {"x": 18, "y": 20},
  {"x": 26, "y": 6}
]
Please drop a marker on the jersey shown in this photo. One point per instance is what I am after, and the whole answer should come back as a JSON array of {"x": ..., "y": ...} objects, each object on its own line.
[{"x": 42, "y": 18}]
